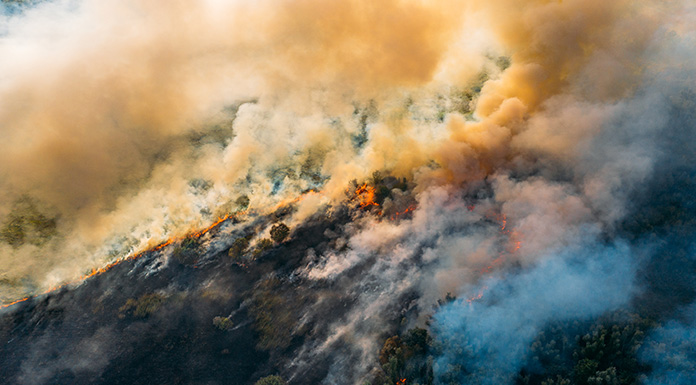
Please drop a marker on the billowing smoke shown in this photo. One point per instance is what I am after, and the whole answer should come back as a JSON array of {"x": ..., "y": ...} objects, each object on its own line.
[
  {"x": 126, "y": 123},
  {"x": 534, "y": 158}
]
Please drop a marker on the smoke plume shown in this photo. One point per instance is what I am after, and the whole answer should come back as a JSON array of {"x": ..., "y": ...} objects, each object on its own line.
[{"x": 531, "y": 153}]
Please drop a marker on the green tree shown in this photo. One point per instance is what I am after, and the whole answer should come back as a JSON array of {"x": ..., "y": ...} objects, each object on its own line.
[{"x": 268, "y": 307}]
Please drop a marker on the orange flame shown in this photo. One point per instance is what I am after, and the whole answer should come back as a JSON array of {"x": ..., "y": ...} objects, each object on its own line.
[
  {"x": 400, "y": 213},
  {"x": 401, "y": 381},
  {"x": 196, "y": 234},
  {"x": 111, "y": 265},
  {"x": 366, "y": 195},
  {"x": 477, "y": 296},
  {"x": 513, "y": 245}
]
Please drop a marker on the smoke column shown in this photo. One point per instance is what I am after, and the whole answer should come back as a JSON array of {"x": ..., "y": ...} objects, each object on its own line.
[{"x": 534, "y": 135}]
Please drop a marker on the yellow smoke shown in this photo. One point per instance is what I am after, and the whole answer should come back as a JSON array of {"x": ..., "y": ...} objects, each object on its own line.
[{"x": 109, "y": 109}]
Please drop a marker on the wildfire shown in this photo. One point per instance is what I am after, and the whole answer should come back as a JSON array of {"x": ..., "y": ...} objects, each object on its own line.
[
  {"x": 296, "y": 199},
  {"x": 396, "y": 216},
  {"x": 195, "y": 234},
  {"x": 14, "y": 302},
  {"x": 401, "y": 382},
  {"x": 200, "y": 233},
  {"x": 111, "y": 265},
  {"x": 496, "y": 262},
  {"x": 366, "y": 195},
  {"x": 477, "y": 296},
  {"x": 513, "y": 245}
]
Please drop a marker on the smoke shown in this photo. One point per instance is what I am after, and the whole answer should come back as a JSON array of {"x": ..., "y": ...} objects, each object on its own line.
[
  {"x": 566, "y": 151},
  {"x": 490, "y": 337},
  {"x": 113, "y": 110},
  {"x": 670, "y": 350},
  {"x": 591, "y": 156},
  {"x": 529, "y": 135},
  {"x": 90, "y": 355}
]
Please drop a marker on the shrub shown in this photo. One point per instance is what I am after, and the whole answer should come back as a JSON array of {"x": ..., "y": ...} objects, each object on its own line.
[
  {"x": 272, "y": 319},
  {"x": 271, "y": 380},
  {"x": 238, "y": 247},
  {"x": 143, "y": 306},
  {"x": 223, "y": 323},
  {"x": 262, "y": 245},
  {"x": 279, "y": 232},
  {"x": 187, "y": 252},
  {"x": 242, "y": 202}
]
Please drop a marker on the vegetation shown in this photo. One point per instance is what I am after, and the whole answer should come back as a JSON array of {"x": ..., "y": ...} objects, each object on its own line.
[
  {"x": 604, "y": 352},
  {"x": 142, "y": 307},
  {"x": 26, "y": 224},
  {"x": 242, "y": 202},
  {"x": 238, "y": 248},
  {"x": 364, "y": 115},
  {"x": 272, "y": 319},
  {"x": 406, "y": 359},
  {"x": 271, "y": 380},
  {"x": 223, "y": 323},
  {"x": 261, "y": 246},
  {"x": 187, "y": 252},
  {"x": 200, "y": 186},
  {"x": 279, "y": 232},
  {"x": 607, "y": 354}
]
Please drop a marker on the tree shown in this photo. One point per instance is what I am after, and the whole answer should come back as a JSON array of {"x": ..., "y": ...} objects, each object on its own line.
[
  {"x": 271, "y": 380},
  {"x": 279, "y": 232},
  {"x": 392, "y": 347}
]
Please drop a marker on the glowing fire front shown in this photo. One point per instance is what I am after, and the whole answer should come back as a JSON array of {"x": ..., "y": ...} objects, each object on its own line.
[
  {"x": 365, "y": 195},
  {"x": 94, "y": 272}
]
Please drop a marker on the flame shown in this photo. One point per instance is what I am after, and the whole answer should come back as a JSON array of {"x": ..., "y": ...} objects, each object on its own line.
[
  {"x": 296, "y": 199},
  {"x": 513, "y": 245},
  {"x": 401, "y": 381},
  {"x": 200, "y": 233},
  {"x": 131, "y": 257},
  {"x": 14, "y": 302},
  {"x": 496, "y": 262},
  {"x": 195, "y": 234},
  {"x": 366, "y": 196},
  {"x": 396, "y": 216},
  {"x": 477, "y": 296}
]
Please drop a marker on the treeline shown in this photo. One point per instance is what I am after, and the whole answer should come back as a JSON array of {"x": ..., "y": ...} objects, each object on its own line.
[{"x": 602, "y": 352}]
